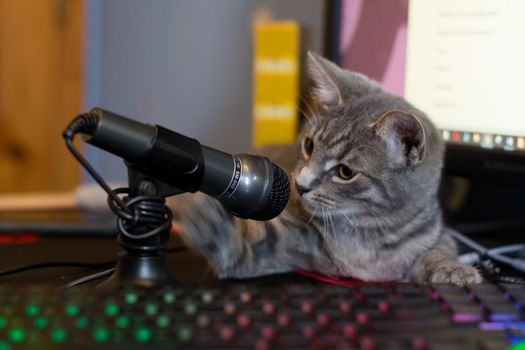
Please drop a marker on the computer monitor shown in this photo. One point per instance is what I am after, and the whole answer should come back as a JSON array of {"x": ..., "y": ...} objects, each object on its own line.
[{"x": 461, "y": 62}]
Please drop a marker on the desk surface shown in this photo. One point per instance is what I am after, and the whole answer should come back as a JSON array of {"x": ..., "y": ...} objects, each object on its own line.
[{"x": 186, "y": 266}]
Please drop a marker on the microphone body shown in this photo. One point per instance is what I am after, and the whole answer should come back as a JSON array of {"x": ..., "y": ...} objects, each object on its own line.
[{"x": 249, "y": 186}]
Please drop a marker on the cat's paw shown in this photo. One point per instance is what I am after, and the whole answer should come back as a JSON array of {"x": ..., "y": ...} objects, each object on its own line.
[
  {"x": 202, "y": 220},
  {"x": 457, "y": 274}
]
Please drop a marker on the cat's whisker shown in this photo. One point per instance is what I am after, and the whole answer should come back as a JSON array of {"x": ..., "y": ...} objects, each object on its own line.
[
  {"x": 304, "y": 114},
  {"x": 313, "y": 214},
  {"x": 323, "y": 214},
  {"x": 334, "y": 234},
  {"x": 324, "y": 203},
  {"x": 336, "y": 237},
  {"x": 350, "y": 221},
  {"x": 327, "y": 202},
  {"x": 330, "y": 223},
  {"x": 310, "y": 109},
  {"x": 324, "y": 219},
  {"x": 309, "y": 119},
  {"x": 311, "y": 116},
  {"x": 348, "y": 218}
]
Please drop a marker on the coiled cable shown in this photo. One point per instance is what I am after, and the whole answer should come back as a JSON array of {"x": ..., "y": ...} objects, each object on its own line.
[{"x": 137, "y": 214}]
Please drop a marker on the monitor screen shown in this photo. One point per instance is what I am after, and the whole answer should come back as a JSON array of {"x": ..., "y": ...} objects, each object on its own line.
[
  {"x": 461, "y": 62},
  {"x": 465, "y": 67}
]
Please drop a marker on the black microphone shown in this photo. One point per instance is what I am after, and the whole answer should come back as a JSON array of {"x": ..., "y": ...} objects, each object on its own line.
[{"x": 249, "y": 186}]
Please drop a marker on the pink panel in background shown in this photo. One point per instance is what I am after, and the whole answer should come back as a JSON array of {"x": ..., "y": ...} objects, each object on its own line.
[{"x": 373, "y": 40}]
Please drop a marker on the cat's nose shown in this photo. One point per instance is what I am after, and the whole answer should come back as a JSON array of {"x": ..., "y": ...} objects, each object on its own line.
[{"x": 301, "y": 190}]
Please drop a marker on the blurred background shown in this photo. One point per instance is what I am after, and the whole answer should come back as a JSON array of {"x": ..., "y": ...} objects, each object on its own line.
[
  {"x": 185, "y": 64},
  {"x": 192, "y": 66}
]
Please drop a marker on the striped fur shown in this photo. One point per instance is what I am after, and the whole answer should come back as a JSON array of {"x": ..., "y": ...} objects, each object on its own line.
[{"x": 382, "y": 223}]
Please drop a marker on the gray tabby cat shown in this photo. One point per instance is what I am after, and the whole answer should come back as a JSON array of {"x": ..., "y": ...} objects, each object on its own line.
[{"x": 365, "y": 175}]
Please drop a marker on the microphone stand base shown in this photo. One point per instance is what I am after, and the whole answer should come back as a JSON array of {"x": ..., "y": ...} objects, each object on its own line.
[
  {"x": 142, "y": 263},
  {"x": 139, "y": 271}
]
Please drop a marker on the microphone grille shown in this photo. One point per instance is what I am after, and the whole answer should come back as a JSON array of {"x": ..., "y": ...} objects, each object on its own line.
[{"x": 278, "y": 197}]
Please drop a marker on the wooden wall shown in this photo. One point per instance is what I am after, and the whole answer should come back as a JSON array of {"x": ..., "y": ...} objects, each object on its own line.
[{"x": 40, "y": 92}]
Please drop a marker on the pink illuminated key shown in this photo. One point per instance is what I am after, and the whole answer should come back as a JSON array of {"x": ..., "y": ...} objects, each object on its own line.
[{"x": 227, "y": 333}]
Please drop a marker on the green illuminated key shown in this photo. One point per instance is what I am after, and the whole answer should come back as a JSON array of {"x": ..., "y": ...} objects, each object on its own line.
[
  {"x": 143, "y": 334},
  {"x": 122, "y": 322},
  {"x": 112, "y": 309},
  {"x": 41, "y": 322},
  {"x": 82, "y": 322},
  {"x": 163, "y": 321},
  {"x": 131, "y": 298},
  {"x": 4, "y": 345},
  {"x": 32, "y": 310},
  {"x": 184, "y": 334},
  {"x": 3, "y": 322},
  {"x": 151, "y": 309},
  {"x": 190, "y": 309},
  {"x": 101, "y": 334},
  {"x": 17, "y": 335},
  {"x": 59, "y": 335},
  {"x": 73, "y": 310},
  {"x": 169, "y": 298}
]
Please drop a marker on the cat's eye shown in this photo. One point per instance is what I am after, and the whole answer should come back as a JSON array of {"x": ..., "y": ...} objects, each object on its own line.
[
  {"x": 308, "y": 146},
  {"x": 344, "y": 172}
]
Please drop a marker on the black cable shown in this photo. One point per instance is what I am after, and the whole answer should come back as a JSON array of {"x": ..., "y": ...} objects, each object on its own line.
[
  {"x": 149, "y": 211},
  {"x": 53, "y": 264},
  {"x": 89, "y": 278},
  {"x": 88, "y": 228},
  {"x": 87, "y": 123},
  {"x": 139, "y": 212}
]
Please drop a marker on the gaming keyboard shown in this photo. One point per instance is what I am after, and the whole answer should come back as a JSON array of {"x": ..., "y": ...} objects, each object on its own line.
[{"x": 259, "y": 316}]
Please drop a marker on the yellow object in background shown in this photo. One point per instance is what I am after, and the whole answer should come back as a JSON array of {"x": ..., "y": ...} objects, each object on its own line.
[{"x": 276, "y": 82}]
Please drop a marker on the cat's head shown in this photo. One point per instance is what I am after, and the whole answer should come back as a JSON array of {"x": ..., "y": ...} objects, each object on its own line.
[{"x": 363, "y": 151}]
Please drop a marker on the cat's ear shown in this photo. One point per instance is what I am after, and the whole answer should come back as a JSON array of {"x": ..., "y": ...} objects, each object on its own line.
[
  {"x": 327, "y": 78},
  {"x": 404, "y": 136}
]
